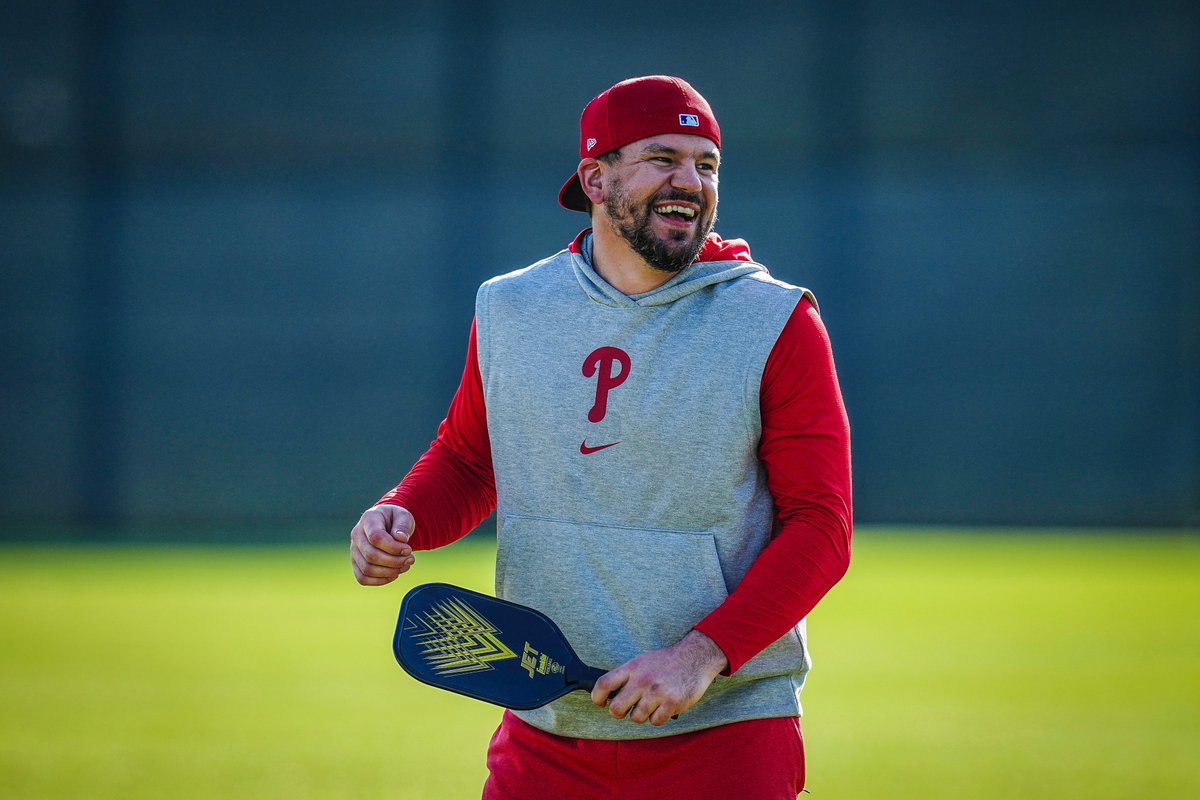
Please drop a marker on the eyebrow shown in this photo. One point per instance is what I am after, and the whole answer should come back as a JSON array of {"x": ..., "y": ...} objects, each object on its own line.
[{"x": 663, "y": 149}]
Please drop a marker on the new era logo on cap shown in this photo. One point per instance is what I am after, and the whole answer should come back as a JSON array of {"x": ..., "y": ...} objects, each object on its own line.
[
  {"x": 590, "y": 144},
  {"x": 691, "y": 120}
]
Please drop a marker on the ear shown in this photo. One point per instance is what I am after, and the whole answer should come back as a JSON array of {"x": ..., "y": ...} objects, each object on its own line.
[{"x": 591, "y": 178}]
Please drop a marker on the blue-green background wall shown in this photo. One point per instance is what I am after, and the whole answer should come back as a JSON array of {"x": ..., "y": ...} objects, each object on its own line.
[{"x": 239, "y": 242}]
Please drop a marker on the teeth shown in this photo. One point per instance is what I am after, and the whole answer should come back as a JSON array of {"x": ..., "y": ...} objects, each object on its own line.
[{"x": 684, "y": 210}]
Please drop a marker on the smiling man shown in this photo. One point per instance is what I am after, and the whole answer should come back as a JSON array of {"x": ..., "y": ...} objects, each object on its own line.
[
  {"x": 660, "y": 200},
  {"x": 658, "y": 425}
]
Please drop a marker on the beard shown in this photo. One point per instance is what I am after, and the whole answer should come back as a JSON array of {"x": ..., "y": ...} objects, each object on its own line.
[{"x": 631, "y": 220}]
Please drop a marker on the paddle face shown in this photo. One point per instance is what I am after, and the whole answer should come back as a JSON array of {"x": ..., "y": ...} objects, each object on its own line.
[{"x": 486, "y": 648}]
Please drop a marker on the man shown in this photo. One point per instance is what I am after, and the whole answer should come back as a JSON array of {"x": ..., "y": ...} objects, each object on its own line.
[{"x": 658, "y": 424}]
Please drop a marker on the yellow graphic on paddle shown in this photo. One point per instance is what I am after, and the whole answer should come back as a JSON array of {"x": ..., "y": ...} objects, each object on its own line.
[
  {"x": 455, "y": 639},
  {"x": 543, "y": 664}
]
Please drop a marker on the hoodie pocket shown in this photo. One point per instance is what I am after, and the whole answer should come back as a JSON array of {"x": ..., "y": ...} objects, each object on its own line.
[{"x": 615, "y": 591}]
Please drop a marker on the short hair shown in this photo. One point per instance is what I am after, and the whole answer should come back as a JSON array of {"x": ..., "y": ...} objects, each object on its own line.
[{"x": 609, "y": 158}]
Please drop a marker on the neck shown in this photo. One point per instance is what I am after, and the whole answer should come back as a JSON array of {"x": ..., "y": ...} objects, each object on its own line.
[{"x": 617, "y": 262}]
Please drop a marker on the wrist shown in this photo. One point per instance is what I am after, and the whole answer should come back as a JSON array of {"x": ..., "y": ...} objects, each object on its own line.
[{"x": 707, "y": 652}]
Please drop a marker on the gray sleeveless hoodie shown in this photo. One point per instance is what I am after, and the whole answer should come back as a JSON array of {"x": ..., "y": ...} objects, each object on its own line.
[{"x": 630, "y": 498}]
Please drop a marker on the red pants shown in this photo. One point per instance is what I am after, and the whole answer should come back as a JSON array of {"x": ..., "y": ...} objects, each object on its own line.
[{"x": 761, "y": 759}]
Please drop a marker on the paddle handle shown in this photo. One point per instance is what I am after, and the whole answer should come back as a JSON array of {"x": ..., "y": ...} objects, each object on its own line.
[{"x": 584, "y": 677}]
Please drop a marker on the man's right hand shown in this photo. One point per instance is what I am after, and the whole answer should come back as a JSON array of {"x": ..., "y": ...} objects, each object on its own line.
[{"x": 379, "y": 546}]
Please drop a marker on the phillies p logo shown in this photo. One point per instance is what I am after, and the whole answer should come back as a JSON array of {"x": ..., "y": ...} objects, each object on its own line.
[{"x": 610, "y": 367}]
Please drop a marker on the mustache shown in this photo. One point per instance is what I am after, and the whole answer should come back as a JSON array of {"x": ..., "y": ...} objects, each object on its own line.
[{"x": 676, "y": 194}]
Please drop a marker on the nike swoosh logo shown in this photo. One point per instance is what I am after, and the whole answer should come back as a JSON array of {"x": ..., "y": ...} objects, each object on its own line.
[{"x": 587, "y": 451}]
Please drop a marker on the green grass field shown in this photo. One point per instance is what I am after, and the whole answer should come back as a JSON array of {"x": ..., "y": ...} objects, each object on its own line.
[{"x": 1031, "y": 665}]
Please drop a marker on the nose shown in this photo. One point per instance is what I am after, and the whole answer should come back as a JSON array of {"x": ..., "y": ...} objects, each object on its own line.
[{"x": 686, "y": 177}]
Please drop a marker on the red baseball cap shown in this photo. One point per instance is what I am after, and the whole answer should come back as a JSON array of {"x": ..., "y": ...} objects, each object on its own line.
[{"x": 632, "y": 110}]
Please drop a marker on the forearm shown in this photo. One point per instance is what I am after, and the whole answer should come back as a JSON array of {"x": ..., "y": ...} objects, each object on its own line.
[
  {"x": 798, "y": 568},
  {"x": 446, "y": 497},
  {"x": 805, "y": 450},
  {"x": 452, "y": 488}
]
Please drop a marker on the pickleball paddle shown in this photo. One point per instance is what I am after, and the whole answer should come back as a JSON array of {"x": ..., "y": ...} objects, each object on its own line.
[{"x": 486, "y": 648}]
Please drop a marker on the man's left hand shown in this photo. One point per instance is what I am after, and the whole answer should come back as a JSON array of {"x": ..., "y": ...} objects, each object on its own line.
[{"x": 660, "y": 684}]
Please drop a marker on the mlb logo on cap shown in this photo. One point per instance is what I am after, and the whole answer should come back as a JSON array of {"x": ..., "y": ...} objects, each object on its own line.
[{"x": 691, "y": 120}]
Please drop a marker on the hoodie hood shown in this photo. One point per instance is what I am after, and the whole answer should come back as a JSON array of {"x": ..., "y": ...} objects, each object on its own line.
[{"x": 720, "y": 260}]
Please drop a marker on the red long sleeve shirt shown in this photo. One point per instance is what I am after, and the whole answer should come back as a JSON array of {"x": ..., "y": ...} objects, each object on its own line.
[{"x": 805, "y": 448}]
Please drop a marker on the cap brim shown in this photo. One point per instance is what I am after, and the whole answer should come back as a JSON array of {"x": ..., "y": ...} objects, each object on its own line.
[{"x": 571, "y": 196}]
